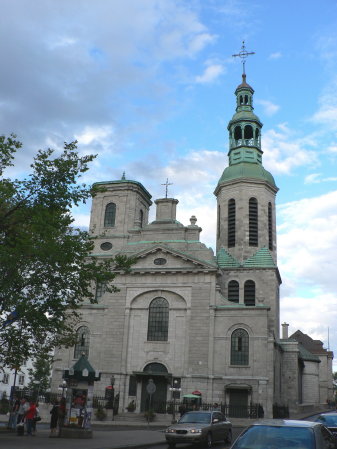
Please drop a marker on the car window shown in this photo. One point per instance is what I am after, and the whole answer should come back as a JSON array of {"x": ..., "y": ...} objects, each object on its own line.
[
  {"x": 196, "y": 417},
  {"x": 328, "y": 420},
  {"x": 328, "y": 438},
  {"x": 260, "y": 437},
  {"x": 218, "y": 416}
]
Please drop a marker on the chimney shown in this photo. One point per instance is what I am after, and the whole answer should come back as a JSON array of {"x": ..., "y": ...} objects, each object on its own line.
[
  {"x": 285, "y": 330},
  {"x": 166, "y": 209}
]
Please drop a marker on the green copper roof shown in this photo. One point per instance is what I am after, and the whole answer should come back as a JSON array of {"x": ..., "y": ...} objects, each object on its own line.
[
  {"x": 247, "y": 170},
  {"x": 306, "y": 355},
  {"x": 244, "y": 116},
  {"x": 262, "y": 258},
  {"x": 225, "y": 260}
]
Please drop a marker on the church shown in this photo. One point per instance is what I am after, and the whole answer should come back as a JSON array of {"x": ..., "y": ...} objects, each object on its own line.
[{"x": 187, "y": 316}]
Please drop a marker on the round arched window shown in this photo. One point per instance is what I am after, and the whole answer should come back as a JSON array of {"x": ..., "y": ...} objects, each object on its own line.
[{"x": 160, "y": 261}]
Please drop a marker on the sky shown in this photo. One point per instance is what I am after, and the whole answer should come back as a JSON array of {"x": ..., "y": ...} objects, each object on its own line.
[{"x": 148, "y": 86}]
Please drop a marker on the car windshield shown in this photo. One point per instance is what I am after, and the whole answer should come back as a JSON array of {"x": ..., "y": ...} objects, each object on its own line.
[
  {"x": 328, "y": 420},
  {"x": 266, "y": 437},
  {"x": 195, "y": 417}
]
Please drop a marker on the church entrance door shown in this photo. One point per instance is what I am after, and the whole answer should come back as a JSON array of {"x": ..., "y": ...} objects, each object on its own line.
[
  {"x": 159, "y": 375},
  {"x": 238, "y": 403}
]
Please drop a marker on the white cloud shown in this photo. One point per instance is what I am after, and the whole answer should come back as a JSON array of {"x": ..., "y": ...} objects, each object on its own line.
[
  {"x": 276, "y": 55},
  {"x": 315, "y": 178},
  {"x": 269, "y": 107},
  {"x": 211, "y": 73}
]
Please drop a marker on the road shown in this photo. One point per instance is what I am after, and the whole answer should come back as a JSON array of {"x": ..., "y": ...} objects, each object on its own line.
[{"x": 236, "y": 432}]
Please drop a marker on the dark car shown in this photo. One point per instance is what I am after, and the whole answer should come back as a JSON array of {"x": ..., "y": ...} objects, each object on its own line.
[
  {"x": 329, "y": 420},
  {"x": 285, "y": 434},
  {"x": 199, "y": 427}
]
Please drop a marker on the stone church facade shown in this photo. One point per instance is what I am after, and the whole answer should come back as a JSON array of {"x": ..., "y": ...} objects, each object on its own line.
[{"x": 209, "y": 321}]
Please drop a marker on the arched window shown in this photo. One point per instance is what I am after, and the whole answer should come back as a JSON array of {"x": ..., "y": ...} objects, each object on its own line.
[
  {"x": 237, "y": 133},
  {"x": 231, "y": 223},
  {"x": 141, "y": 217},
  {"x": 110, "y": 215},
  {"x": 240, "y": 347},
  {"x": 246, "y": 99},
  {"x": 158, "y": 320},
  {"x": 253, "y": 222},
  {"x": 241, "y": 99},
  {"x": 82, "y": 343},
  {"x": 248, "y": 132},
  {"x": 233, "y": 291},
  {"x": 249, "y": 293},
  {"x": 155, "y": 368},
  {"x": 270, "y": 226}
]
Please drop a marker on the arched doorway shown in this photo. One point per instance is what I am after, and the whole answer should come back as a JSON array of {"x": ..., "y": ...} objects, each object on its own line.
[{"x": 160, "y": 377}]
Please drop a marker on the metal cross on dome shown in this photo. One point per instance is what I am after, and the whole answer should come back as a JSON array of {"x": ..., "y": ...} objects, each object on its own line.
[
  {"x": 167, "y": 184},
  {"x": 243, "y": 55}
]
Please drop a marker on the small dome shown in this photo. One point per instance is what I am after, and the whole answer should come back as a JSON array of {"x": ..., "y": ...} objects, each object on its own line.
[
  {"x": 247, "y": 170},
  {"x": 244, "y": 116},
  {"x": 244, "y": 85}
]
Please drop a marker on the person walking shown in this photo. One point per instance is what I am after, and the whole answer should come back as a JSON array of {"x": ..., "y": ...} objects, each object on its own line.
[
  {"x": 29, "y": 416},
  {"x": 23, "y": 407},
  {"x": 54, "y": 412}
]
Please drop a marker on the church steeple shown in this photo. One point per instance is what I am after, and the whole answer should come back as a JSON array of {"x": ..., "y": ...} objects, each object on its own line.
[{"x": 244, "y": 128}]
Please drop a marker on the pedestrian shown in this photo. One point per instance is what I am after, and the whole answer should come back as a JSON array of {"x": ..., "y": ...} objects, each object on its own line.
[
  {"x": 54, "y": 412},
  {"x": 36, "y": 418},
  {"x": 23, "y": 407},
  {"x": 216, "y": 406},
  {"x": 14, "y": 412},
  {"x": 61, "y": 413},
  {"x": 29, "y": 417}
]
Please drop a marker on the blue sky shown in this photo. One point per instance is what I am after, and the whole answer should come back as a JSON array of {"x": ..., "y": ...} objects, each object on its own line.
[{"x": 149, "y": 86}]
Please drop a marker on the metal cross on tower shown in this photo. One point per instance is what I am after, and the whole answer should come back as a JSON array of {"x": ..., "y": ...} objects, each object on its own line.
[
  {"x": 243, "y": 54},
  {"x": 167, "y": 184}
]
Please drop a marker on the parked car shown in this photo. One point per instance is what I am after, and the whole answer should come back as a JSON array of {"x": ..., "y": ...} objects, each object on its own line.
[
  {"x": 200, "y": 427},
  {"x": 285, "y": 434},
  {"x": 329, "y": 420}
]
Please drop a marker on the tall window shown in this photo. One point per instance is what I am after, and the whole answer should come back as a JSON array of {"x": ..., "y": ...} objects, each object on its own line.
[
  {"x": 100, "y": 290},
  {"x": 83, "y": 340},
  {"x": 5, "y": 379},
  {"x": 270, "y": 226},
  {"x": 231, "y": 223},
  {"x": 218, "y": 225},
  {"x": 253, "y": 222},
  {"x": 249, "y": 293},
  {"x": 239, "y": 347},
  {"x": 21, "y": 380},
  {"x": 233, "y": 291},
  {"x": 110, "y": 215},
  {"x": 158, "y": 320},
  {"x": 141, "y": 218}
]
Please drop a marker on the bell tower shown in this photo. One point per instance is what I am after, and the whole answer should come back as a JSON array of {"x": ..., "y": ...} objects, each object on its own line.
[{"x": 246, "y": 220}]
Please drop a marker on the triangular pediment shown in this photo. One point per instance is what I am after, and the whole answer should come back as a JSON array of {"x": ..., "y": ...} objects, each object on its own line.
[{"x": 165, "y": 259}]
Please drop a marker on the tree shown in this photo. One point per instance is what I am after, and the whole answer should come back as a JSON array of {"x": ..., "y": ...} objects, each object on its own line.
[
  {"x": 39, "y": 375},
  {"x": 46, "y": 270}
]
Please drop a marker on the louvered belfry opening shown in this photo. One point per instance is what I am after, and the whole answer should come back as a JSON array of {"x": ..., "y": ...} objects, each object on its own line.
[
  {"x": 231, "y": 223},
  {"x": 270, "y": 227},
  {"x": 233, "y": 291},
  {"x": 253, "y": 222},
  {"x": 249, "y": 293}
]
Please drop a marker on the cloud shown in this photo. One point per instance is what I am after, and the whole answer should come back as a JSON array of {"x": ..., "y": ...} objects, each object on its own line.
[
  {"x": 276, "y": 55},
  {"x": 326, "y": 115},
  {"x": 284, "y": 151},
  {"x": 211, "y": 73},
  {"x": 269, "y": 107},
  {"x": 315, "y": 178}
]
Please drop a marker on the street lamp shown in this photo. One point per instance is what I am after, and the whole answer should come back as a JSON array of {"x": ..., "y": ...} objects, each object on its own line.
[
  {"x": 175, "y": 389},
  {"x": 63, "y": 387}
]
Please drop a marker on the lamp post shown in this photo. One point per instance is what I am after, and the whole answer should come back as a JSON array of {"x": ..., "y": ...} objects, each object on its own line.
[
  {"x": 175, "y": 389},
  {"x": 63, "y": 387}
]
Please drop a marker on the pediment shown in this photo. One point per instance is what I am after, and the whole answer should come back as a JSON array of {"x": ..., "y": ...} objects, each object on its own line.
[{"x": 164, "y": 259}]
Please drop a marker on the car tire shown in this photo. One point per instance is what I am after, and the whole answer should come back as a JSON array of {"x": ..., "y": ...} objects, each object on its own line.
[
  {"x": 209, "y": 440},
  {"x": 228, "y": 438}
]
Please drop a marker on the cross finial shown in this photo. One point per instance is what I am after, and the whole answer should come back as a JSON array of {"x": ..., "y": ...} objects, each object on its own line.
[
  {"x": 243, "y": 55},
  {"x": 167, "y": 184}
]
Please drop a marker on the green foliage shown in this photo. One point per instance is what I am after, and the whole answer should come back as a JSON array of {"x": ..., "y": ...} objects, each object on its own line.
[
  {"x": 39, "y": 375},
  {"x": 45, "y": 268},
  {"x": 335, "y": 375},
  {"x": 100, "y": 413}
]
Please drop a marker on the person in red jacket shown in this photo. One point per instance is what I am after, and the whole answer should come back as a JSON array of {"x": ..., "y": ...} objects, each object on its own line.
[{"x": 30, "y": 415}]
